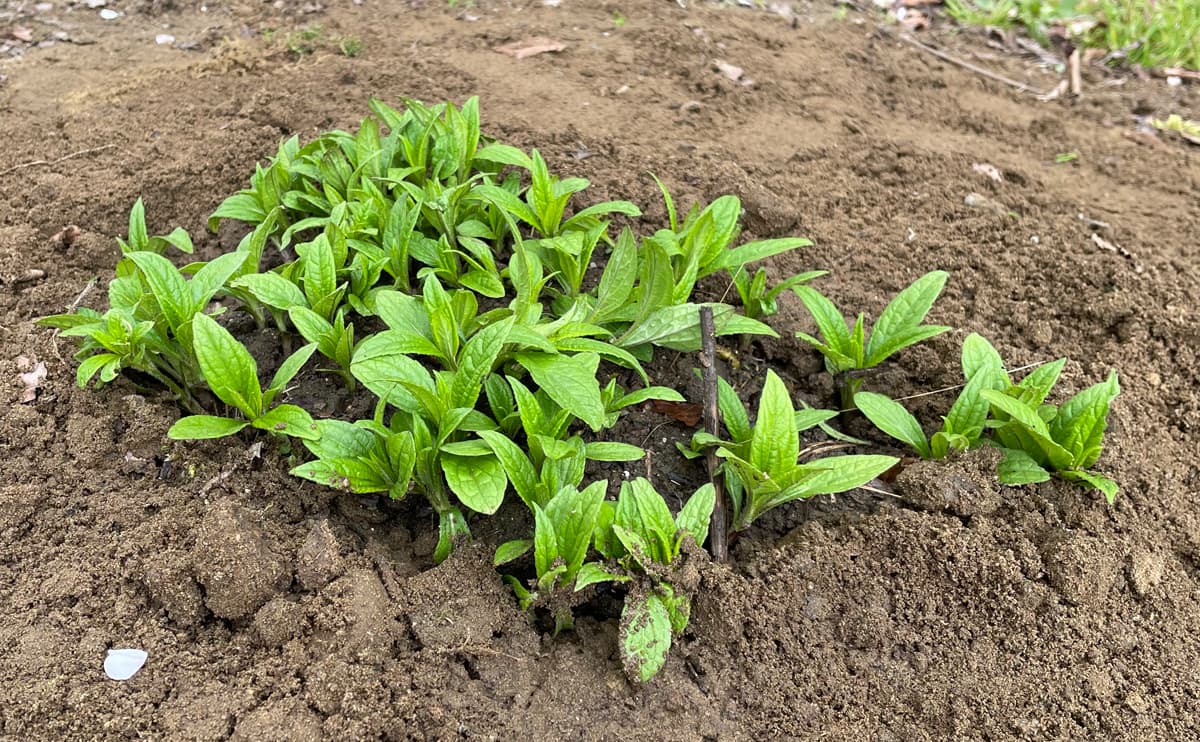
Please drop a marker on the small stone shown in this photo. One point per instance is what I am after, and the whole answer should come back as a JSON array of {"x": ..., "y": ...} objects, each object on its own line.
[
  {"x": 109, "y": 15},
  {"x": 1135, "y": 703},
  {"x": 1146, "y": 571},
  {"x": 163, "y": 39},
  {"x": 691, "y": 106}
]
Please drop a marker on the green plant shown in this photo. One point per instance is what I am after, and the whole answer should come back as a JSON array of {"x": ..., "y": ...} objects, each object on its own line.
[
  {"x": 1064, "y": 158},
  {"x": 563, "y": 532},
  {"x": 232, "y": 375},
  {"x": 761, "y": 463},
  {"x": 964, "y": 424},
  {"x": 351, "y": 46},
  {"x": 852, "y": 349},
  {"x": 1164, "y": 33},
  {"x": 148, "y": 326},
  {"x": 1040, "y": 439},
  {"x": 639, "y": 532},
  {"x": 758, "y": 301}
]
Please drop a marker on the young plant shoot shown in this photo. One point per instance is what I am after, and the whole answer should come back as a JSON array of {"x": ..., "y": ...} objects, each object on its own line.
[{"x": 850, "y": 349}]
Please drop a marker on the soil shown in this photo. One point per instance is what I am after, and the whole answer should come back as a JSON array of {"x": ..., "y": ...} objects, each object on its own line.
[{"x": 274, "y": 609}]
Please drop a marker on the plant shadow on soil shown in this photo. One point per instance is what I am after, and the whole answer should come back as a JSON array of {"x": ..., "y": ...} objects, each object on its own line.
[{"x": 272, "y": 608}]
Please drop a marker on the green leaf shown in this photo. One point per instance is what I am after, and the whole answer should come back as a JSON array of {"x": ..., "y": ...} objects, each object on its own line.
[
  {"x": 645, "y": 636},
  {"x": 227, "y": 366},
  {"x": 1019, "y": 468},
  {"x": 476, "y": 361},
  {"x": 290, "y": 367},
  {"x": 829, "y": 320},
  {"x": 570, "y": 381},
  {"x": 613, "y": 451},
  {"x": 340, "y": 440},
  {"x": 574, "y": 513},
  {"x": 273, "y": 290},
  {"x": 516, "y": 465},
  {"x": 511, "y": 550},
  {"x": 93, "y": 364},
  {"x": 616, "y": 282},
  {"x": 1094, "y": 481},
  {"x": 386, "y": 372},
  {"x": 752, "y": 251},
  {"x": 1081, "y": 421},
  {"x": 775, "y": 442},
  {"x": 319, "y": 270},
  {"x": 197, "y": 427},
  {"x": 643, "y": 512},
  {"x": 138, "y": 238},
  {"x": 592, "y": 573},
  {"x": 168, "y": 286},
  {"x": 697, "y": 512},
  {"x": 637, "y": 396},
  {"x": 834, "y": 474},
  {"x": 545, "y": 541},
  {"x": 211, "y": 277},
  {"x": 899, "y": 324},
  {"x": 969, "y": 413},
  {"x": 352, "y": 475},
  {"x": 891, "y": 417},
  {"x": 504, "y": 154},
  {"x": 979, "y": 356},
  {"x": 478, "y": 481},
  {"x": 811, "y": 417},
  {"x": 737, "y": 422},
  {"x": 1036, "y": 386},
  {"x": 288, "y": 419},
  {"x": 241, "y": 206}
]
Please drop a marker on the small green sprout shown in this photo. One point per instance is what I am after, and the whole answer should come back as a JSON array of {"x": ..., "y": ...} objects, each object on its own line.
[
  {"x": 232, "y": 375},
  {"x": 641, "y": 534},
  {"x": 563, "y": 532},
  {"x": 1041, "y": 439},
  {"x": 964, "y": 425},
  {"x": 350, "y": 46},
  {"x": 852, "y": 349},
  {"x": 762, "y": 462},
  {"x": 1063, "y": 158}
]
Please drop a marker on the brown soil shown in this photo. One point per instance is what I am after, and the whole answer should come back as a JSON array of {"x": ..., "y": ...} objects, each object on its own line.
[{"x": 274, "y": 609}]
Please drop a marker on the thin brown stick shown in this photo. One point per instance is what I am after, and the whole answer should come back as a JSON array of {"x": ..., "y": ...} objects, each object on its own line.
[
  {"x": 64, "y": 158},
  {"x": 1076, "y": 74},
  {"x": 712, "y": 425},
  {"x": 972, "y": 67}
]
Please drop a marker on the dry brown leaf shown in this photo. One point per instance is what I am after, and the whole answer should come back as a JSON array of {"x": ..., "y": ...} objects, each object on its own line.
[
  {"x": 988, "y": 170},
  {"x": 728, "y": 70},
  {"x": 31, "y": 375},
  {"x": 531, "y": 47},
  {"x": 65, "y": 237},
  {"x": 688, "y": 413}
]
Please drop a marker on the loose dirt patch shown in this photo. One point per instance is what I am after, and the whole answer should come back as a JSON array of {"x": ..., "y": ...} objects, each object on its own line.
[{"x": 271, "y": 608}]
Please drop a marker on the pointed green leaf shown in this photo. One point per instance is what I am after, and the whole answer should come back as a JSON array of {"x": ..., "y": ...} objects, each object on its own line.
[
  {"x": 1019, "y": 468},
  {"x": 511, "y": 550},
  {"x": 899, "y": 324},
  {"x": 198, "y": 427},
  {"x": 775, "y": 442},
  {"x": 570, "y": 381},
  {"x": 891, "y": 417},
  {"x": 696, "y": 513},
  {"x": 227, "y": 366}
]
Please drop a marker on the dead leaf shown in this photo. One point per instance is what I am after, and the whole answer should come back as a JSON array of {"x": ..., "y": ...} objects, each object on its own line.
[
  {"x": 990, "y": 171},
  {"x": 531, "y": 47},
  {"x": 65, "y": 237},
  {"x": 31, "y": 375},
  {"x": 729, "y": 70},
  {"x": 912, "y": 20},
  {"x": 21, "y": 33},
  {"x": 688, "y": 413}
]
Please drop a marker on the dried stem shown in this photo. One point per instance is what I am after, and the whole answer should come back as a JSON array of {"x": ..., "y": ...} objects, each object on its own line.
[{"x": 712, "y": 425}]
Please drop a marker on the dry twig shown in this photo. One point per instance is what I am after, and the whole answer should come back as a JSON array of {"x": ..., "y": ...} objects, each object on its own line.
[
  {"x": 972, "y": 67},
  {"x": 64, "y": 158},
  {"x": 712, "y": 425}
]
